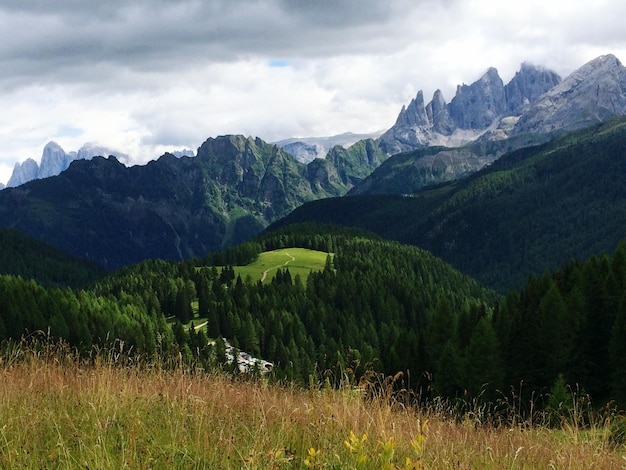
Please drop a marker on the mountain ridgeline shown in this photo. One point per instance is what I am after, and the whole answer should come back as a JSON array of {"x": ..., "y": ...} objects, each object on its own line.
[
  {"x": 533, "y": 107},
  {"x": 54, "y": 160},
  {"x": 175, "y": 208},
  {"x": 534, "y": 101},
  {"x": 474, "y": 109},
  {"x": 533, "y": 209},
  {"x": 178, "y": 208}
]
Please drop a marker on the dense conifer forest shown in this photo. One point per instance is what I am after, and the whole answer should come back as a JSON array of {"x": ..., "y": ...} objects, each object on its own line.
[
  {"x": 533, "y": 209},
  {"x": 377, "y": 306},
  {"x": 31, "y": 259}
]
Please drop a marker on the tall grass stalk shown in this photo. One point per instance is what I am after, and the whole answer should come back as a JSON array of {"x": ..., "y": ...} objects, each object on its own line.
[{"x": 113, "y": 410}]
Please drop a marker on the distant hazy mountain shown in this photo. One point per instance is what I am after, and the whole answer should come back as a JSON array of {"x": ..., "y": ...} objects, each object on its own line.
[
  {"x": 183, "y": 153},
  {"x": 308, "y": 148},
  {"x": 54, "y": 160}
]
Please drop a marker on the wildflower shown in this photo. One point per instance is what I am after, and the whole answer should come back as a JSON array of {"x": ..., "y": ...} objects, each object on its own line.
[{"x": 311, "y": 457}]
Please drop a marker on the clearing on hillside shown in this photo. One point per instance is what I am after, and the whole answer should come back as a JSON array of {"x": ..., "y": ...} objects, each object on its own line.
[{"x": 299, "y": 261}]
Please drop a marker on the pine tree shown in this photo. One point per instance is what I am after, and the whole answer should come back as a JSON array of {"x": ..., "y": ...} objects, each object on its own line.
[
  {"x": 447, "y": 375},
  {"x": 617, "y": 354},
  {"x": 440, "y": 330},
  {"x": 484, "y": 372}
]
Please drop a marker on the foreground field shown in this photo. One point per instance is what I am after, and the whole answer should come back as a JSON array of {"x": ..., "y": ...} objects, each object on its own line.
[
  {"x": 300, "y": 261},
  {"x": 59, "y": 412}
]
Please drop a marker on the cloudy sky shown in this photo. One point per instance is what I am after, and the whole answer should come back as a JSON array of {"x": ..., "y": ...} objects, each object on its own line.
[{"x": 149, "y": 76}]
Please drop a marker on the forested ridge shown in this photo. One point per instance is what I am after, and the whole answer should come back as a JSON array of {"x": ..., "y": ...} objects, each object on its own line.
[
  {"x": 533, "y": 209},
  {"x": 31, "y": 259},
  {"x": 377, "y": 306}
]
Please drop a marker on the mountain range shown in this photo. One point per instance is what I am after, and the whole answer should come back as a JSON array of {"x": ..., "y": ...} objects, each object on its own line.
[
  {"x": 173, "y": 208},
  {"x": 535, "y": 104},
  {"x": 486, "y": 105},
  {"x": 535, "y": 101},
  {"x": 307, "y": 149},
  {"x": 176, "y": 208},
  {"x": 534, "y": 209},
  {"x": 54, "y": 160},
  {"x": 487, "y": 119}
]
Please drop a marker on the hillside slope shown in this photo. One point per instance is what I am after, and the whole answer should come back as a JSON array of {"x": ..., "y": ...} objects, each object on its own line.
[
  {"x": 30, "y": 259},
  {"x": 174, "y": 208},
  {"x": 531, "y": 210}
]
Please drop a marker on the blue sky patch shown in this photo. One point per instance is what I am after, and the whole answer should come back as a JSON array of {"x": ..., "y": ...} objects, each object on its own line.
[
  {"x": 69, "y": 131},
  {"x": 278, "y": 63}
]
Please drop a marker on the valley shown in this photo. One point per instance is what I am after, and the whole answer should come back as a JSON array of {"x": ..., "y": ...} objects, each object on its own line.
[{"x": 395, "y": 304}]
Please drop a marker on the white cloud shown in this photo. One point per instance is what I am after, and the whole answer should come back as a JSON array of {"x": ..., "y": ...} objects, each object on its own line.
[{"x": 149, "y": 76}]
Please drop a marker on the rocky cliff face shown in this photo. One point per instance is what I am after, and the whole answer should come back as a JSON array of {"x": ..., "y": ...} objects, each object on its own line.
[
  {"x": 26, "y": 171},
  {"x": 476, "y": 106},
  {"x": 593, "y": 93},
  {"x": 535, "y": 103},
  {"x": 475, "y": 110},
  {"x": 526, "y": 87}
]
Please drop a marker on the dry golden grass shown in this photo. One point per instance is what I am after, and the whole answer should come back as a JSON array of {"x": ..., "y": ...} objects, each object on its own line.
[{"x": 57, "y": 411}]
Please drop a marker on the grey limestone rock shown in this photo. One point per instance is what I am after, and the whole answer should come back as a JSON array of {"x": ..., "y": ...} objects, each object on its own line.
[
  {"x": 440, "y": 117},
  {"x": 525, "y": 88},
  {"x": 591, "y": 94},
  {"x": 55, "y": 160},
  {"x": 476, "y": 106},
  {"x": 23, "y": 172},
  {"x": 484, "y": 109}
]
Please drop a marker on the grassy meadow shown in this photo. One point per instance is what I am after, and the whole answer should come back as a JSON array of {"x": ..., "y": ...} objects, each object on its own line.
[
  {"x": 59, "y": 411},
  {"x": 300, "y": 261}
]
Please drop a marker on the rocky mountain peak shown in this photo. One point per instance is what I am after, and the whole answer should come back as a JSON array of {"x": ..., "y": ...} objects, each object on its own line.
[
  {"x": 51, "y": 149},
  {"x": 491, "y": 76},
  {"x": 591, "y": 94},
  {"x": 23, "y": 172},
  {"x": 439, "y": 115},
  {"x": 415, "y": 113},
  {"x": 54, "y": 160},
  {"x": 536, "y": 100},
  {"x": 476, "y": 106},
  {"x": 527, "y": 86}
]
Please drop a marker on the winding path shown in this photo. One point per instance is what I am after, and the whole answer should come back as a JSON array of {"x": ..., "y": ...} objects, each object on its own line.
[{"x": 276, "y": 267}]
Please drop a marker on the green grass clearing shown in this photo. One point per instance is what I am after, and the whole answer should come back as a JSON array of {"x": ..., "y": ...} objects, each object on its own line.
[
  {"x": 198, "y": 322},
  {"x": 299, "y": 261}
]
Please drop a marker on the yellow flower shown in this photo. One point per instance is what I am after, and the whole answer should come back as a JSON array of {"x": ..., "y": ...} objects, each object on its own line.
[{"x": 311, "y": 457}]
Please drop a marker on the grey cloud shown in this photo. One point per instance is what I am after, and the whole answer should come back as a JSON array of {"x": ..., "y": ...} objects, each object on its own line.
[{"x": 41, "y": 38}]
